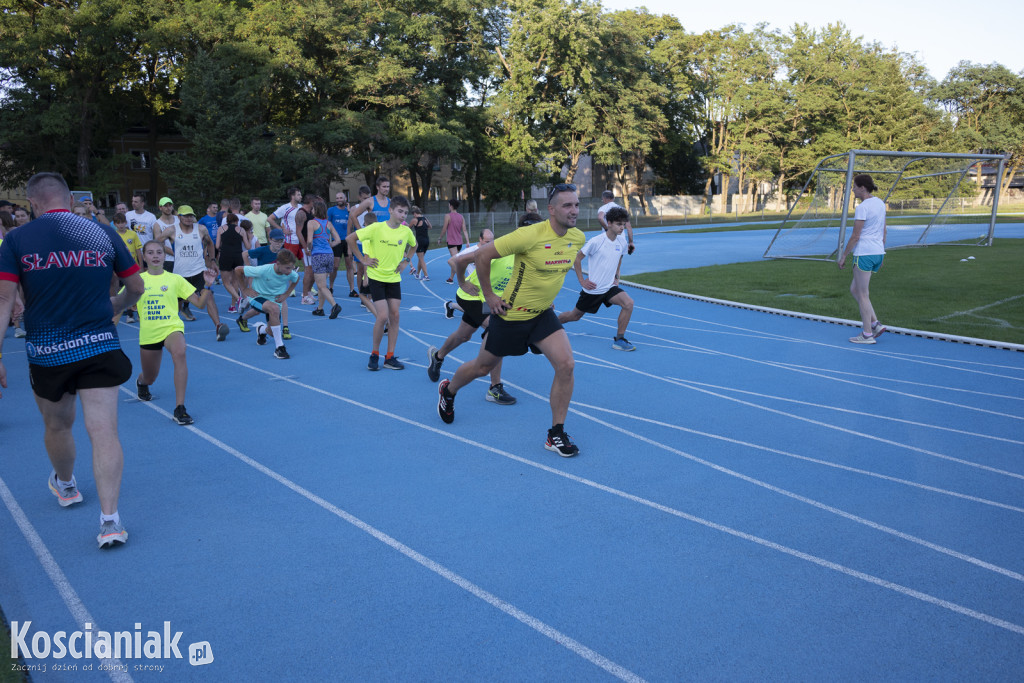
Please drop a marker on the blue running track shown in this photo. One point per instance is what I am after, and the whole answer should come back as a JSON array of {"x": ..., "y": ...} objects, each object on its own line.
[{"x": 755, "y": 499}]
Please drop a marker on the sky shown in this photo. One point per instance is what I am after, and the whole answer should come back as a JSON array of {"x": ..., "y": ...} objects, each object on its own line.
[{"x": 940, "y": 32}]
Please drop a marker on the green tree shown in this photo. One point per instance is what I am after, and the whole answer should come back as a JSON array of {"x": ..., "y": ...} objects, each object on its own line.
[
  {"x": 675, "y": 157},
  {"x": 730, "y": 68},
  {"x": 552, "y": 60},
  {"x": 231, "y": 151},
  {"x": 66, "y": 63},
  {"x": 633, "y": 115},
  {"x": 987, "y": 106}
]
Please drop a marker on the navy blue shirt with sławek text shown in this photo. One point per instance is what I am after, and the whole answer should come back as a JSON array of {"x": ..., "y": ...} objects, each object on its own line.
[{"x": 64, "y": 264}]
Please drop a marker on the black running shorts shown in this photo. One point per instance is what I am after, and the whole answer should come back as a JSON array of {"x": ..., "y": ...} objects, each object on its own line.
[
  {"x": 384, "y": 290},
  {"x": 591, "y": 303},
  {"x": 108, "y": 369},
  {"x": 473, "y": 313},
  {"x": 516, "y": 337}
]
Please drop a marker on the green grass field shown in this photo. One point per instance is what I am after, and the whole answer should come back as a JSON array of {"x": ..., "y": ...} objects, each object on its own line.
[{"x": 924, "y": 289}]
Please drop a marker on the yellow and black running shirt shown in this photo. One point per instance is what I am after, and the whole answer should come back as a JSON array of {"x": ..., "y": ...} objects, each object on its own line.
[{"x": 542, "y": 259}]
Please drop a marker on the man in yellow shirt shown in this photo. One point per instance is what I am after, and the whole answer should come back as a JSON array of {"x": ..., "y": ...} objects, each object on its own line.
[{"x": 522, "y": 318}]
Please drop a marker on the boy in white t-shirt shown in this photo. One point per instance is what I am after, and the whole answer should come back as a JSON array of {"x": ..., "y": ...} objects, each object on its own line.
[
  {"x": 605, "y": 252},
  {"x": 867, "y": 244},
  {"x": 608, "y": 199}
]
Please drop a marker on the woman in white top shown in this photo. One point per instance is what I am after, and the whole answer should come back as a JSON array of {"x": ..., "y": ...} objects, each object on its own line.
[{"x": 867, "y": 244}]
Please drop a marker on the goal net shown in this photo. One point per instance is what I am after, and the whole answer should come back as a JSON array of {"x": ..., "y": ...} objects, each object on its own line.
[{"x": 931, "y": 198}]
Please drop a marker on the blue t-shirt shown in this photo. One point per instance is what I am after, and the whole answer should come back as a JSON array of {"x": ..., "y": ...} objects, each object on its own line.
[
  {"x": 65, "y": 263},
  {"x": 339, "y": 219},
  {"x": 211, "y": 224},
  {"x": 262, "y": 256}
]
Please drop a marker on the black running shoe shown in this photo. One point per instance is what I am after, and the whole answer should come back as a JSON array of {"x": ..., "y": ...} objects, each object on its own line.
[
  {"x": 222, "y": 332},
  {"x": 143, "y": 391},
  {"x": 353, "y": 294},
  {"x": 449, "y": 310},
  {"x": 434, "y": 364},
  {"x": 374, "y": 362},
  {"x": 335, "y": 311},
  {"x": 182, "y": 417},
  {"x": 318, "y": 311},
  {"x": 281, "y": 352},
  {"x": 561, "y": 443},
  {"x": 445, "y": 403},
  {"x": 497, "y": 394},
  {"x": 261, "y": 336},
  {"x": 393, "y": 363}
]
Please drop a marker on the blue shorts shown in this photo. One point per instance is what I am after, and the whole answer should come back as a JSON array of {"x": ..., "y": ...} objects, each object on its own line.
[
  {"x": 258, "y": 302},
  {"x": 869, "y": 263}
]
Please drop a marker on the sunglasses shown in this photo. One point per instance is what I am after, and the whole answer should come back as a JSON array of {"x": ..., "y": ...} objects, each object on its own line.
[{"x": 561, "y": 187}]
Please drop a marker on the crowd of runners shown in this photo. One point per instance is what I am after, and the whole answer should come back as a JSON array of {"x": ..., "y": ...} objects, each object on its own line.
[
  {"x": 69, "y": 275},
  {"x": 152, "y": 270}
]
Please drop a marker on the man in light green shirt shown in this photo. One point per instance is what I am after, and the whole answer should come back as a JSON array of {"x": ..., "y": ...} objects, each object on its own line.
[{"x": 259, "y": 220}]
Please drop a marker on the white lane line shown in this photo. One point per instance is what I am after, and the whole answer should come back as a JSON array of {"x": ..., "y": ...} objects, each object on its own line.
[
  {"x": 850, "y": 411},
  {"x": 791, "y": 368},
  {"x": 795, "y": 456},
  {"x": 819, "y": 423},
  {"x": 118, "y": 672},
  {"x": 893, "y": 380},
  {"x": 891, "y": 354},
  {"x": 508, "y": 608},
  {"x": 918, "y": 595},
  {"x": 842, "y": 513}
]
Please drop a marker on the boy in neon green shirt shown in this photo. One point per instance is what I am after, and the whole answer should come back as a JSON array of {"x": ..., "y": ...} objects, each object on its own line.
[{"x": 392, "y": 245}]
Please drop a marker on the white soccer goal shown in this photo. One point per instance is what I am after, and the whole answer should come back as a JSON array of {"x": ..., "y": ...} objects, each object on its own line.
[{"x": 930, "y": 197}]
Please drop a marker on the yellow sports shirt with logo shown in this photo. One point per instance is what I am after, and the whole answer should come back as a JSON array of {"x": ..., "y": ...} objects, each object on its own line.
[
  {"x": 158, "y": 307},
  {"x": 388, "y": 245},
  {"x": 542, "y": 258}
]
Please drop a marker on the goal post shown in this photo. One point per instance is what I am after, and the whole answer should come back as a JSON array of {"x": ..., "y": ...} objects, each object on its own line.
[{"x": 930, "y": 197}]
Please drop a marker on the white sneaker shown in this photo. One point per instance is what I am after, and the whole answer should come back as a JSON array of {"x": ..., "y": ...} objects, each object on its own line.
[
  {"x": 19, "y": 332},
  {"x": 861, "y": 339}
]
